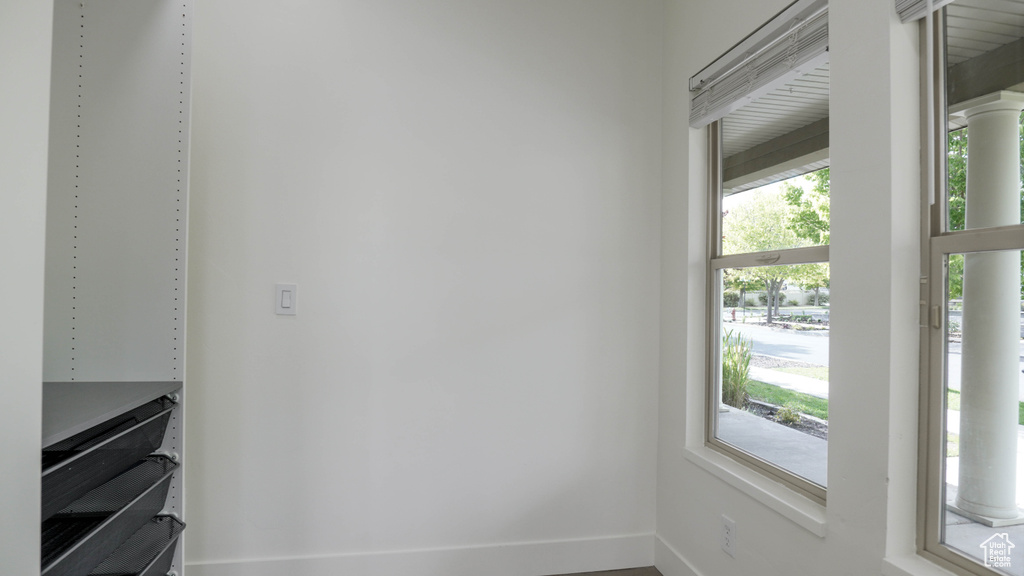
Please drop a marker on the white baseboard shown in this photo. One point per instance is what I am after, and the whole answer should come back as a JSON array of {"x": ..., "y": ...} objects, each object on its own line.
[
  {"x": 670, "y": 562},
  {"x": 515, "y": 559}
]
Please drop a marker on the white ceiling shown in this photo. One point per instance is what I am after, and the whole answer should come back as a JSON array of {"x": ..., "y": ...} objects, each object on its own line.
[{"x": 974, "y": 27}]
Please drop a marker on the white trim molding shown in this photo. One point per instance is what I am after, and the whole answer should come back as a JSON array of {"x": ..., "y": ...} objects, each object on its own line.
[{"x": 506, "y": 559}]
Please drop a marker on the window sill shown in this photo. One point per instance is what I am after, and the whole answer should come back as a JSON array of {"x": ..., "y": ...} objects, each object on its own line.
[
  {"x": 796, "y": 508},
  {"x": 911, "y": 565}
]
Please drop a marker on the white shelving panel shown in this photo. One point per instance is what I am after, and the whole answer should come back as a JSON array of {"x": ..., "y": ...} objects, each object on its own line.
[
  {"x": 117, "y": 200},
  {"x": 117, "y": 208}
]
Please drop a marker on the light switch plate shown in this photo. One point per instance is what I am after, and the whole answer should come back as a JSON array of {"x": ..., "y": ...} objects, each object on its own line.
[{"x": 286, "y": 299}]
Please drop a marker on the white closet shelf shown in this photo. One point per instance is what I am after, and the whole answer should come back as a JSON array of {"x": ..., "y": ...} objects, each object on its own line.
[{"x": 73, "y": 407}]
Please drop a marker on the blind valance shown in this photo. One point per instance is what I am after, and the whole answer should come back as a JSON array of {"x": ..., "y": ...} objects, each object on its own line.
[{"x": 792, "y": 43}]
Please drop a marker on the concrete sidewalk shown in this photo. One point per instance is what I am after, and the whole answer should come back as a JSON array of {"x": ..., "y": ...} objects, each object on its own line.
[
  {"x": 812, "y": 386},
  {"x": 800, "y": 453}
]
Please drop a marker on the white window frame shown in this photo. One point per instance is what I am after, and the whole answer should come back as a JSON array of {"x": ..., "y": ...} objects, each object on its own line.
[
  {"x": 937, "y": 244},
  {"x": 717, "y": 261}
]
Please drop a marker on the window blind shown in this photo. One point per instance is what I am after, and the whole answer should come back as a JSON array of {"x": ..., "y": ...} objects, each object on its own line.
[
  {"x": 916, "y": 9},
  {"x": 790, "y": 44}
]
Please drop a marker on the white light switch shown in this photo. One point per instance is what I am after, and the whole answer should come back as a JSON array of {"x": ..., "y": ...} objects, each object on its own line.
[{"x": 286, "y": 298}]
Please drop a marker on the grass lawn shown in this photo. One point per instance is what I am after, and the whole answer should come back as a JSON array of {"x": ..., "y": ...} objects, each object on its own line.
[
  {"x": 953, "y": 403},
  {"x": 818, "y": 407},
  {"x": 805, "y": 403}
]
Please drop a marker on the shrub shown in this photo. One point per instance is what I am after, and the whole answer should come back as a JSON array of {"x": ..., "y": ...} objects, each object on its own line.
[
  {"x": 736, "y": 353},
  {"x": 793, "y": 303},
  {"x": 763, "y": 298},
  {"x": 731, "y": 299},
  {"x": 788, "y": 414},
  {"x": 748, "y": 302},
  {"x": 823, "y": 298}
]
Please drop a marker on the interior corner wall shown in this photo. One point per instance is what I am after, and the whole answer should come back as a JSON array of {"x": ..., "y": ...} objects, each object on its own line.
[
  {"x": 873, "y": 349},
  {"x": 25, "y": 35},
  {"x": 467, "y": 195}
]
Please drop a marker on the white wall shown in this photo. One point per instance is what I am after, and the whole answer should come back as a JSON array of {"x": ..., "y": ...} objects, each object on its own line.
[
  {"x": 867, "y": 526},
  {"x": 473, "y": 219},
  {"x": 25, "y": 33},
  {"x": 467, "y": 194}
]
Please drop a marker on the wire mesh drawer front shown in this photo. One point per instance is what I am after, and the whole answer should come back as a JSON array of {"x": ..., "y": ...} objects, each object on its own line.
[
  {"x": 87, "y": 460},
  {"x": 149, "y": 552},
  {"x": 82, "y": 535}
]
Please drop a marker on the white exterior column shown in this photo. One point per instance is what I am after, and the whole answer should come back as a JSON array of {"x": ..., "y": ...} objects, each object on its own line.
[{"x": 991, "y": 321}]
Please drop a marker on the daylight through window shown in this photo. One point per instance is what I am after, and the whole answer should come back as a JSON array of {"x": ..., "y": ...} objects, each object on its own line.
[
  {"x": 769, "y": 275},
  {"x": 973, "y": 389}
]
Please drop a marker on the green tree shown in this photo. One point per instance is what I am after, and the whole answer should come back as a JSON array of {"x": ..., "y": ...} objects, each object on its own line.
[
  {"x": 956, "y": 186},
  {"x": 733, "y": 280},
  {"x": 810, "y": 218},
  {"x": 956, "y": 170},
  {"x": 812, "y": 277},
  {"x": 810, "y": 209},
  {"x": 762, "y": 224}
]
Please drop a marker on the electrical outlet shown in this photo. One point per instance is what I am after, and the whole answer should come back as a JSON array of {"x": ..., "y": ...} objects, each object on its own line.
[{"x": 728, "y": 535}]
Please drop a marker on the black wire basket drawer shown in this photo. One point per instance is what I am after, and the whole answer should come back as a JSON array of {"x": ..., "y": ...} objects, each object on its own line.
[
  {"x": 79, "y": 537},
  {"x": 149, "y": 552},
  {"x": 77, "y": 465}
]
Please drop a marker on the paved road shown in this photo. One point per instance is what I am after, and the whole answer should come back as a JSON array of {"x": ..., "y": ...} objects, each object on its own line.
[
  {"x": 953, "y": 361},
  {"x": 803, "y": 346},
  {"x": 813, "y": 347}
]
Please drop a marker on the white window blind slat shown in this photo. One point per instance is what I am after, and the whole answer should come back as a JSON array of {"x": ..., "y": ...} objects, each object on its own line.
[{"x": 789, "y": 54}]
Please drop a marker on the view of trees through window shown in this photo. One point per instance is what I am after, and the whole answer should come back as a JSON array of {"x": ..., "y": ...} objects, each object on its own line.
[
  {"x": 774, "y": 325},
  {"x": 982, "y": 492},
  {"x": 957, "y": 201},
  {"x": 791, "y": 214}
]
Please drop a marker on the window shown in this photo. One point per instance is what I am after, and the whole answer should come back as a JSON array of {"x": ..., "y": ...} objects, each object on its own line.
[
  {"x": 769, "y": 275},
  {"x": 973, "y": 521},
  {"x": 765, "y": 105}
]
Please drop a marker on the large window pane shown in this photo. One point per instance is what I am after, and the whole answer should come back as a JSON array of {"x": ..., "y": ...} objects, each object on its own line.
[
  {"x": 789, "y": 214},
  {"x": 774, "y": 366},
  {"x": 984, "y": 466},
  {"x": 973, "y": 519},
  {"x": 1003, "y": 209},
  {"x": 767, "y": 401}
]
